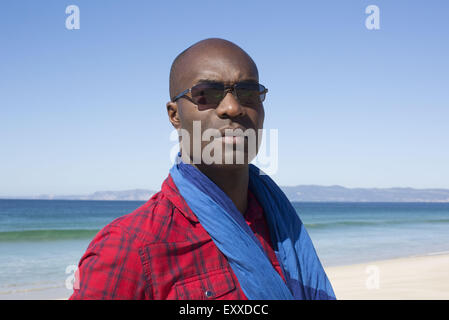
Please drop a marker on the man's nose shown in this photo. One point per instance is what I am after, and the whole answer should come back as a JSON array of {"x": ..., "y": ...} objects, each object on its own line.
[{"x": 230, "y": 107}]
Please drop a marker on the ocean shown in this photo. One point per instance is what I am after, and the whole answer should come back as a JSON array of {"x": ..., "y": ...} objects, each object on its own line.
[{"x": 41, "y": 241}]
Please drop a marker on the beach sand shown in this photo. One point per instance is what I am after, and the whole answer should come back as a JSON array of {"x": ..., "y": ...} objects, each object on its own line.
[{"x": 421, "y": 277}]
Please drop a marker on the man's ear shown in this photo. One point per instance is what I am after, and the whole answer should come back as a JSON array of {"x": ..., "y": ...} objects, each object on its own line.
[{"x": 173, "y": 115}]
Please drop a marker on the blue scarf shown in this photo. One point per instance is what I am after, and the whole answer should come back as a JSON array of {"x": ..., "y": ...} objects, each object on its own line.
[{"x": 302, "y": 270}]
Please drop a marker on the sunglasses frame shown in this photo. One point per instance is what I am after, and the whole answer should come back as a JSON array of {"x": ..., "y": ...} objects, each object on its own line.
[{"x": 227, "y": 88}]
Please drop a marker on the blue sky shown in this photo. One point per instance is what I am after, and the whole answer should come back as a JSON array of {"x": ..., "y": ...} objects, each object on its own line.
[{"x": 84, "y": 110}]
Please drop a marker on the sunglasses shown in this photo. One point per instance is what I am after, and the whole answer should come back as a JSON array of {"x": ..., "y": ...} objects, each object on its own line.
[{"x": 208, "y": 95}]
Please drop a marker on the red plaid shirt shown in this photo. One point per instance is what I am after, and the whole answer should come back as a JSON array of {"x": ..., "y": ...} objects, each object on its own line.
[{"x": 161, "y": 251}]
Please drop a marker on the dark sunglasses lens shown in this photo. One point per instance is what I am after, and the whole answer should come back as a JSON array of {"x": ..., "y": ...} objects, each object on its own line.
[
  {"x": 207, "y": 95},
  {"x": 250, "y": 93}
]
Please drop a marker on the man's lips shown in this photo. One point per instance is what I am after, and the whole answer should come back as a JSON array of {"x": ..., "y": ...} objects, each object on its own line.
[
  {"x": 232, "y": 131},
  {"x": 228, "y": 134},
  {"x": 233, "y": 139},
  {"x": 233, "y": 135}
]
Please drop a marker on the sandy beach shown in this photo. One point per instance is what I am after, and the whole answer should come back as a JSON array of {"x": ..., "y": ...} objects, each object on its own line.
[
  {"x": 411, "y": 278},
  {"x": 420, "y": 277}
]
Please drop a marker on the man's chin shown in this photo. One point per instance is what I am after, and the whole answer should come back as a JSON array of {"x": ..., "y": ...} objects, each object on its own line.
[
  {"x": 223, "y": 166},
  {"x": 232, "y": 159},
  {"x": 235, "y": 164}
]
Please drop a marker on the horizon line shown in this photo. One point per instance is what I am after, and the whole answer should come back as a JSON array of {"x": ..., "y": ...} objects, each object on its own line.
[{"x": 154, "y": 191}]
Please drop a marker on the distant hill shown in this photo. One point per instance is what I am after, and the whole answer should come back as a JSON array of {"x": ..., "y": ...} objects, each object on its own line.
[
  {"x": 135, "y": 195},
  {"x": 304, "y": 193},
  {"x": 342, "y": 194}
]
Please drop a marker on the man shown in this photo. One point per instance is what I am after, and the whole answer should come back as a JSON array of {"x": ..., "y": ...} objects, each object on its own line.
[{"x": 217, "y": 229}]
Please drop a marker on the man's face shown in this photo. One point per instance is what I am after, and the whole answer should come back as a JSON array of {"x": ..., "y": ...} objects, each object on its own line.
[{"x": 229, "y": 67}]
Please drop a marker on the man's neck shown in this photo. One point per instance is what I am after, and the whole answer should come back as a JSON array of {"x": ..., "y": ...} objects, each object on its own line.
[{"x": 233, "y": 182}]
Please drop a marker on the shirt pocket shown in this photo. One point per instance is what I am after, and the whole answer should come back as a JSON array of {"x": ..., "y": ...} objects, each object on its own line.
[{"x": 214, "y": 285}]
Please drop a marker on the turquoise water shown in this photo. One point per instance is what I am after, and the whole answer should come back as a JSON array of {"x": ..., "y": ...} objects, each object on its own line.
[
  {"x": 41, "y": 240},
  {"x": 346, "y": 233}
]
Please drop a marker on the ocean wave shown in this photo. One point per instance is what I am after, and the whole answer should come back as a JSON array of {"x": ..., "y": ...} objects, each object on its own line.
[
  {"x": 28, "y": 290},
  {"x": 46, "y": 235},
  {"x": 337, "y": 224},
  {"x": 71, "y": 234}
]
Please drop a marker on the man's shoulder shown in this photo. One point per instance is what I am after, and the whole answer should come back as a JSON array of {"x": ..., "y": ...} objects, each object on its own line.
[
  {"x": 157, "y": 220},
  {"x": 145, "y": 222}
]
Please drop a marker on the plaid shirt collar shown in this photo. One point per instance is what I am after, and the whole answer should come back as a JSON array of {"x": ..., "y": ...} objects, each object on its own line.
[{"x": 172, "y": 193}]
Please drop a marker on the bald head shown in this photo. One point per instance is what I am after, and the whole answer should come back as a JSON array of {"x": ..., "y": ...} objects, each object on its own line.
[
  {"x": 214, "y": 59},
  {"x": 220, "y": 61}
]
